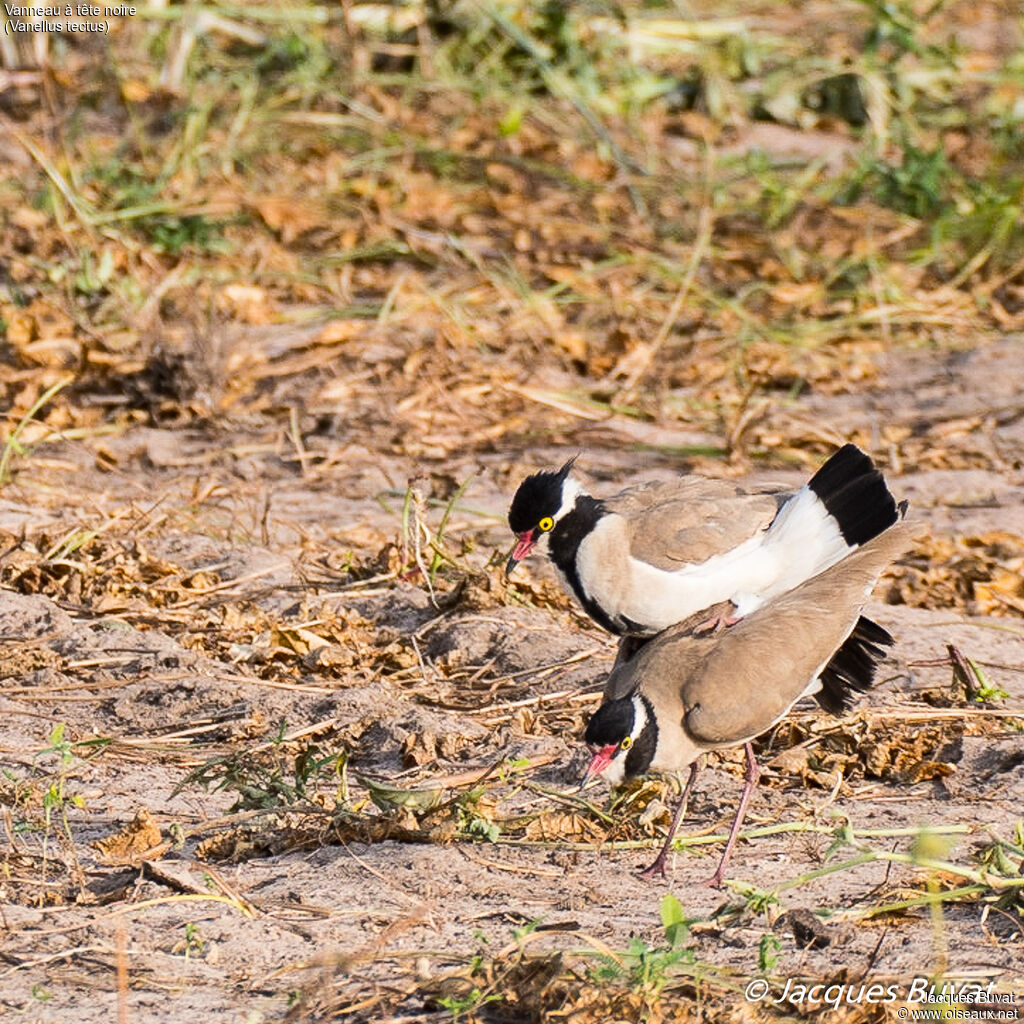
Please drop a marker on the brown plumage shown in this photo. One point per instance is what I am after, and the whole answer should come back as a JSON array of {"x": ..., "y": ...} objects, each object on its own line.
[
  {"x": 683, "y": 694},
  {"x": 672, "y": 523},
  {"x": 645, "y": 559}
]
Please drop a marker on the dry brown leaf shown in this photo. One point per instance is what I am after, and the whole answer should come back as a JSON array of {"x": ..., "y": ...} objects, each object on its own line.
[
  {"x": 419, "y": 748},
  {"x": 920, "y": 771},
  {"x": 555, "y": 825},
  {"x": 341, "y": 330},
  {"x": 290, "y": 215},
  {"x": 981, "y": 574},
  {"x": 135, "y": 91},
  {"x": 245, "y": 302},
  {"x": 140, "y": 840}
]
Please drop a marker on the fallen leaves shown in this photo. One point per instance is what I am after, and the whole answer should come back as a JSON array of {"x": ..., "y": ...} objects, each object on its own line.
[
  {"x": 140, "y": 840},
  {"x": 904, "y": 753},
  {"x": 557, "y": 826},
  {"x": 482, "y": 262},
  {"x": 420, "y": 748},
  {"x": 978, "y": 575}
]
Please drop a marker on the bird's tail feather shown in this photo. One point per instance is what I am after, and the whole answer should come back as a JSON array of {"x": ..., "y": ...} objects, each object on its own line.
[
  {"x": 853, "y": 667},
  {"x": 855, "y": 494}
]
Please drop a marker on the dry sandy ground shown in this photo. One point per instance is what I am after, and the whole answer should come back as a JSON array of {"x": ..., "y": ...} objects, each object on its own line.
[{"x": 196, "y": 938}]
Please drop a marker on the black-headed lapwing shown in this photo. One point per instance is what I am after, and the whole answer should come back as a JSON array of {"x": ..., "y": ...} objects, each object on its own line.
[
  {"x": 657, "y": 553},
  {"x": 684, "y": 693}
]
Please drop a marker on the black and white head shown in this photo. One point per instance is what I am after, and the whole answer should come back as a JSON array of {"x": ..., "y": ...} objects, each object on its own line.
[
  {"x": 623, "y": 738},
  {"x": 540, "y": 502}
]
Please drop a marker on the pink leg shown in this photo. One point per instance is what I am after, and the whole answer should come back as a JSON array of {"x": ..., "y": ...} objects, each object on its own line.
[
  {"x": 658, "y": 867},
  {"x": 716, "y": 624},
  {"x": 749, "y": 781}
]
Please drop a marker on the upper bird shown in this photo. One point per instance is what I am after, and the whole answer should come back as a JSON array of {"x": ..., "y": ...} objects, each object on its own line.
[{"x": 658, "y": 553}]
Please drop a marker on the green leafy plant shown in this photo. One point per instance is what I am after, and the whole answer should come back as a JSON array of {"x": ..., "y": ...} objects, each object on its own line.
[
  {"x": 1004, "y": 857},
  {"x": 460, "y": 1006},
  {"x": 194, "y": 942},
  {"x": 647, "y": 969},
  {"x": 674, "y": 921},
  {"x": 970, "y": 675},
  {"x": 768, "y": 952},
  {"x": 56, "y": 798},
  {"x": 919, "y": 185},
  {"x": 472, "y": 822},
  {"x": 268, "y": 778},
  {"x": 174, "y": 234},
  {"x": 757, "y": 900}
]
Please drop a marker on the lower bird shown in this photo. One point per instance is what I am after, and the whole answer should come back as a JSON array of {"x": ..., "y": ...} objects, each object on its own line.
[{"x": 683, "y": 694}]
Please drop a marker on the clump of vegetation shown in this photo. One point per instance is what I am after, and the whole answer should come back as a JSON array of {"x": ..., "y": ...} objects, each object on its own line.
[{"x": 536, "y": 160}]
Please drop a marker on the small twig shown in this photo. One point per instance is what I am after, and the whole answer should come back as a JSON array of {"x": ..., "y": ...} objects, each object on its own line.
[
  {"x": 226, "y": 585},
  {"x": 699, "y": 251},
  {"x": 514, "y": 868},
  {"x": 963, "y": 672},
  {"x": 65, "y": 954},
  {"x": 84, "y": 214},
  {"x": 570, "y": 800},
  {"x": 295, "y": 434},
  {"x": 122, "y": 974},
  {"x": 982, "y": 880},
  {"x": 945, "y": 896}
]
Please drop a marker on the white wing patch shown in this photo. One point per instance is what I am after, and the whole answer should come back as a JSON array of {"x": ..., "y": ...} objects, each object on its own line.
[{"x": 802, "y": 541}]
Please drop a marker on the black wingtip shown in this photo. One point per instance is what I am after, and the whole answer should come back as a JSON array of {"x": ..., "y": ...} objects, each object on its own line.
[
  {"x": 853, "y": 667},
  {"x": 855, "y": 494}
]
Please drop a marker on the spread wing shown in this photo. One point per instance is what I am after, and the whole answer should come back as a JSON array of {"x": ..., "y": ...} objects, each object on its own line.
[{"x": 681, "y": 522}]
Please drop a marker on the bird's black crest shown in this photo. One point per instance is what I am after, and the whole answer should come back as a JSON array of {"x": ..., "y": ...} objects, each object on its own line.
[
  {"x": 855, "y": 495},
  {"x": 538, "y": 496}
]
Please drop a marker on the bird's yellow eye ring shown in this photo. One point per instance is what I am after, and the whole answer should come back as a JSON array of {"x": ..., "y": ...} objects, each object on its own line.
[
  {"x": 626, "y": 743},
  {"x": 547, "y": 523}
]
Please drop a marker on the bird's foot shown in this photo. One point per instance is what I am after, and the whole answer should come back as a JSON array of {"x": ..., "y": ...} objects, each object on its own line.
[
  {"x": 657, "y": 868},
  {"x": 716, "y": 624},
  {"x": 714, "y": 882}
]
